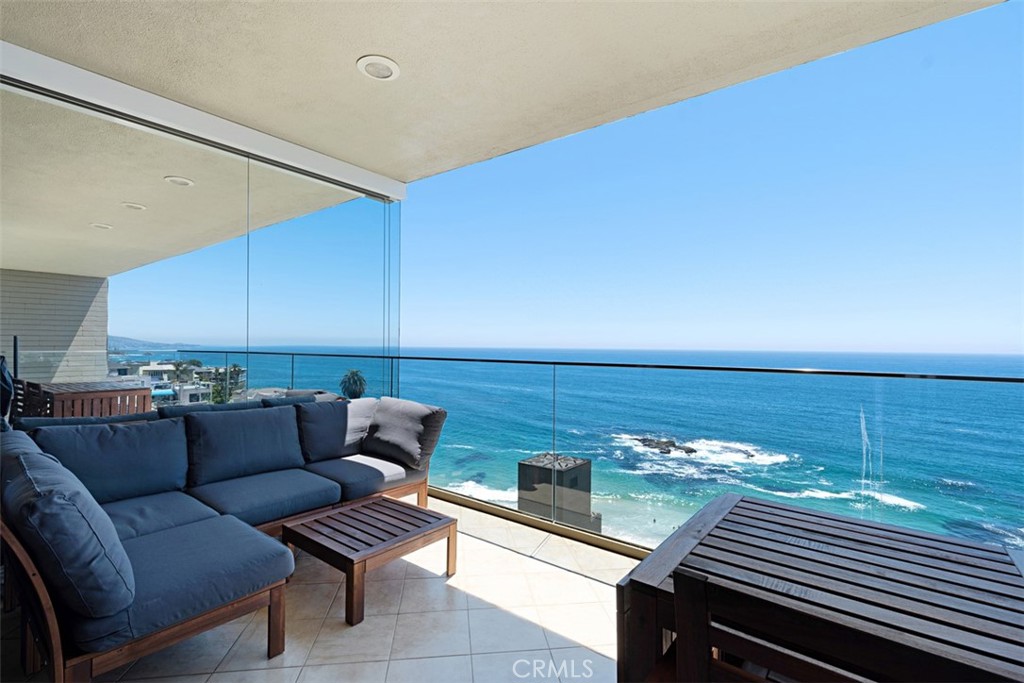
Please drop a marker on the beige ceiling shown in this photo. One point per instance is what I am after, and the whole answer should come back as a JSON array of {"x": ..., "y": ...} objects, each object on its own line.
[
  {"x": 61, "y": 169},
  {"x": 477, "y": 79}
]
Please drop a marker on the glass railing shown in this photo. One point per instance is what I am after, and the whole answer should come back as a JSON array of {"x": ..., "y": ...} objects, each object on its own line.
[{"x": 631, "y": 450}]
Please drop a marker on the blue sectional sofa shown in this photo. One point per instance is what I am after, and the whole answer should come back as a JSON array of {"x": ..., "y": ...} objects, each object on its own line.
[{"x": 133, "y": 536}]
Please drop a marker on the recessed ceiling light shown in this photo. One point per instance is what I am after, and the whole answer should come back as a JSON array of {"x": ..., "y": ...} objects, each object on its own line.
[
  {"x": 180, "y": 181},
  {"x": 378, "y": 68},
  {"x": 134, "y": 206},
  {"x": 101, "y": 226}
]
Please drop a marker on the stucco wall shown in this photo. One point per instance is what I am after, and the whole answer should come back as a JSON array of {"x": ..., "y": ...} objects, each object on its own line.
[{"x": 61, "y": 324}]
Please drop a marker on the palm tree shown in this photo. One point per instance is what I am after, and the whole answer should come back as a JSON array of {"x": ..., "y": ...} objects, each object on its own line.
[
  {"x": 183, "y": 369},
  {"x": 353, "y": 384}
]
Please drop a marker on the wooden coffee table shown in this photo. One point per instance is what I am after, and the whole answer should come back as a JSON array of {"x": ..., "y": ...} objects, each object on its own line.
[{"x": 364, "y": 535}]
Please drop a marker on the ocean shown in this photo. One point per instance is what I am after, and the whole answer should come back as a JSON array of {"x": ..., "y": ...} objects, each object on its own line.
[{"x": 941, "y": 456}]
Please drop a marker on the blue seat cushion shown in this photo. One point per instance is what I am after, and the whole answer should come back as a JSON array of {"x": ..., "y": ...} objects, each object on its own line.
[
  {"x": 185, "y": 571},
  {"x": 268, "y": 496},
  {"x": 28, "y": 423},
  {"x": 134, "y": 517},
  {"x": 121, "y": 461},
  {"x": 237, "y": 443},
  {"x": 405, "y": 431},
  {"x": 362, "y": 475},
  {"x": 334, "y": 429},
  {"x": 185, "y": 409},
  {"x": 71, "y": 539}
]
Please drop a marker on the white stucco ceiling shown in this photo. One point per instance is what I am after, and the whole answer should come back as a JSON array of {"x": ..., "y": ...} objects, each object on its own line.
[
  {"x": 477, "y": 80},
  {"x": 62, "y": 169}
]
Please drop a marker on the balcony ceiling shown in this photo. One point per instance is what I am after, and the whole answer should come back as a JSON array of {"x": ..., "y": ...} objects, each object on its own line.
[{"x": 477, "y": 79}]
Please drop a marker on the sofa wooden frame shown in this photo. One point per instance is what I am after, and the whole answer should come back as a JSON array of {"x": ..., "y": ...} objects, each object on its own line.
[
  {"x": 71, "y": 666},
  {"x": 68, "y": 668}
]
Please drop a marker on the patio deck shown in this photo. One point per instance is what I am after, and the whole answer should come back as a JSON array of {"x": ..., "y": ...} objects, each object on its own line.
[{"x": 524, "y": 605}]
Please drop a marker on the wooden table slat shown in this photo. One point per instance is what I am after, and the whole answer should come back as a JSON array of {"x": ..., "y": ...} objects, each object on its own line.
[
  {"x": 372, "y": 520},
  {"x": 397, "y": 518},
  {"x": 970, "y": 557},
  {"x": 344, "y": 526},
  {"x": 899, "y": 622},
  {"x": 1002, "y": 594},
  {"x": 332, "y": 539},
  {"x": 421, "y": 514},
  {"x": 970, "y": 573},
  {"x": 959, "y": 597},
  {"x": 376, "y": 532},
  {"x": 848, "y": 585},
  {"x": 763, "y": 504}
]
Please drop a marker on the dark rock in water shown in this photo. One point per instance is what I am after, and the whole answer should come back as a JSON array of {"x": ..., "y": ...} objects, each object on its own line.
[
  {"x": 665, "y": 446},
  {"x": 661, "y": 445},
  {"x": 478, "y": 478}
]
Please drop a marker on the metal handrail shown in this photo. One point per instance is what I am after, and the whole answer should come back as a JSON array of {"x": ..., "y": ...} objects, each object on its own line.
[{"x": 646, "y": 366}]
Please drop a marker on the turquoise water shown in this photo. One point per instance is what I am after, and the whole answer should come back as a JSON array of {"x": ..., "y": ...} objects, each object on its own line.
[{"x": 943, "y": 456}]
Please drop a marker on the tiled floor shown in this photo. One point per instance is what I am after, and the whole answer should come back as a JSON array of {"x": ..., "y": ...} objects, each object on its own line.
[{"x": 523, "y": 606}]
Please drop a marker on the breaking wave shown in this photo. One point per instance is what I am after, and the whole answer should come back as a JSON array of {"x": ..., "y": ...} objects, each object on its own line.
[
  {"x": 710, "y": 451},
  {"x": 485, "y": 493}
]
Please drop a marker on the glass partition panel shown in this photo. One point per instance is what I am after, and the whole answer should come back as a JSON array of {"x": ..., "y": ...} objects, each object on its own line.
[
  {"x": 116, "y": 238},
  {"x": 941, "y": 456},
  {"x": 318, "y": 280}
]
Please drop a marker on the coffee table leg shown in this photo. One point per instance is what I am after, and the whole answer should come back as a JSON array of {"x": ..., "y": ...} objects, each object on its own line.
[
  {"x": 451, "y": 550},
  {"x": 355, "y": 593}
]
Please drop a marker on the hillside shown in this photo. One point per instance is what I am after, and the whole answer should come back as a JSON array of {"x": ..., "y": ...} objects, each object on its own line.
[{"x": 115, "y": 343}]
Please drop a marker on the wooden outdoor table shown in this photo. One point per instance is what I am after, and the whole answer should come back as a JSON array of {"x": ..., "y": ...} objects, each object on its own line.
[
  {"x": 361, "y": 536},
  {"x": 95, "y": 399},
  {"x": 881, "y": 602}
]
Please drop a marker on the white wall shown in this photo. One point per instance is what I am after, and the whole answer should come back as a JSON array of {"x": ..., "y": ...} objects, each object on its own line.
[{"x": 61, "y": 324}]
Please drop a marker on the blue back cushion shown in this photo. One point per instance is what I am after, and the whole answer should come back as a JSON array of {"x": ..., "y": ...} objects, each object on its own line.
[
  {"x": 185, "y": 409},
  {"x": 334, "y": 428},
  {"x": 228, "y": 444},
  {"x": 121, "y": 461},
  {"x": 287, "y": 400},
  {"x": 28, "y": 423},
  {"x": 70, "y": 538}
]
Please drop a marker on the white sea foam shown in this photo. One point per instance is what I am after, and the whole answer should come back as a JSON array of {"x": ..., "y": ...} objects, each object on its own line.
[
  {"x": 461, "y": 447},
  {"x": 809, "y": 493},
  {"x": 957, "y": 483},
  {"x": 884, "y": 498},
  {"x": 889, "y": 499},
  {"x": 486, "y": 493},
  {"x": 710, "y": 451}
]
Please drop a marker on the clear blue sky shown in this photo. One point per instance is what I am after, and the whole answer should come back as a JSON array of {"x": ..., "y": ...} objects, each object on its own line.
[{"x": 871, "y": 201}]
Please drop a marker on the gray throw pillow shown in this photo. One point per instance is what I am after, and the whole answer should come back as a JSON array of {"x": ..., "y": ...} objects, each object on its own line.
[
  {"x": 70, "y": 537},
  {"x": 334, "y": 429},
  {"x": 405, "y": 431}
]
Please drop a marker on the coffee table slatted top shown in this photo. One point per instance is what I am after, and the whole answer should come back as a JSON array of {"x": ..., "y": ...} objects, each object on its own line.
[{"x": 371, "y": 526}]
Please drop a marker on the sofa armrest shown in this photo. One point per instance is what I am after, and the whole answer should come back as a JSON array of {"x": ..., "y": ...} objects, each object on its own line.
[{"x": 404, "y": 431}]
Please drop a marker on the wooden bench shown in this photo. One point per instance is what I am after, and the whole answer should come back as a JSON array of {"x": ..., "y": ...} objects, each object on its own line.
[{"x": 763, "y": 590}]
